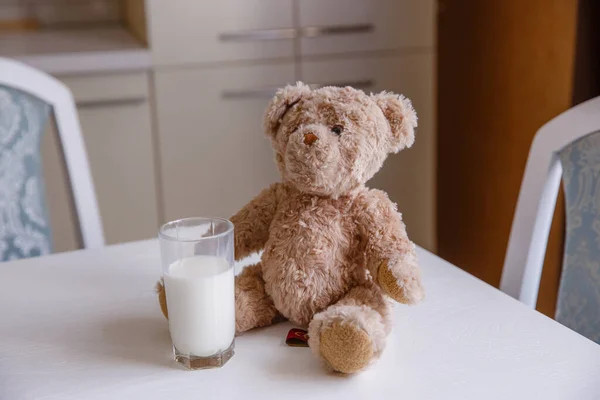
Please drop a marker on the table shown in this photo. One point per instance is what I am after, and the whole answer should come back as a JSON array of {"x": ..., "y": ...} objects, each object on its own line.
[{"x": 86, "y": 325}]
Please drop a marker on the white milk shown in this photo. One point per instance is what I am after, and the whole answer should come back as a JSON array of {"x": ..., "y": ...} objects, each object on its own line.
[{"x": 201, "y": 302}]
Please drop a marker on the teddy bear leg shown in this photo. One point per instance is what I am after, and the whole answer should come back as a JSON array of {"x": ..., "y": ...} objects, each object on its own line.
[
  {"x": 351, "y": 333},
  {"x": 253, "y": 306}
]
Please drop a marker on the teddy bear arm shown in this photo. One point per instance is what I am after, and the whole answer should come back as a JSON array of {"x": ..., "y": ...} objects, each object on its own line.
[
  {"x": 390, "y": 255},
  {"x": 252, "y": 222}
]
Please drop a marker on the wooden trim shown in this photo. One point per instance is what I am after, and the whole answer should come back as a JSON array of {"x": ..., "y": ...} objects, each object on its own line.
[
  {"x": 550, "y": 281},
  {"x": 134, "y": 16},
  {"x": 9, "y": 26},
  {"x": 505, "y": 67}
]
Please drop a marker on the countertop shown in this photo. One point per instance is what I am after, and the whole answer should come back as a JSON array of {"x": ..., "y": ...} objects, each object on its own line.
[{"x": 61, "y": 52}]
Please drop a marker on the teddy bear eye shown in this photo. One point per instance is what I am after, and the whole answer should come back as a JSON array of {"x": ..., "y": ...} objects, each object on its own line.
[{"x": 337, "y": 129}]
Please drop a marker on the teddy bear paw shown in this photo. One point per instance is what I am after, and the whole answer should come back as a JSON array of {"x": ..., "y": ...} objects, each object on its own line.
[
  {"x": 346, "y": 347},
  {"x": 407, "y": 290}
]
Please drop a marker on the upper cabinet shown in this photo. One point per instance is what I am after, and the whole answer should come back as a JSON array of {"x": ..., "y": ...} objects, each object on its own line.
[
  {"x": 192, "y": 31},
  {"x": 339, "y": 26}
]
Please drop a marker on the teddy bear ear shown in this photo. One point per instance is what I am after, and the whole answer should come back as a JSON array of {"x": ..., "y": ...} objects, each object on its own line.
[
  {"x": 401, "y": 115},
  {"x": 284, "y": 99}
]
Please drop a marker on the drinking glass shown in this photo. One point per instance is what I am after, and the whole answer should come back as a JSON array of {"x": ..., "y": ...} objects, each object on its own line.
[{"x": 197, "y": 265}]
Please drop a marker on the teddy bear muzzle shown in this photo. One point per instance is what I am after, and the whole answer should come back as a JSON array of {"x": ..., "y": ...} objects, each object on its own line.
[{"x": 310, "y": 138}]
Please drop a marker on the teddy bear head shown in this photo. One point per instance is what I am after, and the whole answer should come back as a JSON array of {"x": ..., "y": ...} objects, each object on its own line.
[{"x": 332, "y": 140}]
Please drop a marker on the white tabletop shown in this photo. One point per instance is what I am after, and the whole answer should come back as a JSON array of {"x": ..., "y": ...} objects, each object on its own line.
[{"x": 86, "y": 325}]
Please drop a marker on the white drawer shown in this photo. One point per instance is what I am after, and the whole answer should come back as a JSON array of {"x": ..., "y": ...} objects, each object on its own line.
[
  {"x": 409, "y": 176},
  {"x": 108, "y": 88},
  {"x": 339, "y": 26},
  {"x": 194, "y": 31}
]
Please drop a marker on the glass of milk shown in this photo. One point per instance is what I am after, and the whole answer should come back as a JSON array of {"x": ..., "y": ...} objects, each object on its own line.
[{"x": 197, "y": 262}]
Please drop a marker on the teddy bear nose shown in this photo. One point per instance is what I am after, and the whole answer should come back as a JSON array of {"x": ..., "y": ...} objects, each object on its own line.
[{"x": 310, "y": 138}]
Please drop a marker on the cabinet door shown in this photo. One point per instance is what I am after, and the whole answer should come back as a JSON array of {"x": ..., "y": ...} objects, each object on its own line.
[
  {"x": 340, "y": 26},
  {"x": 192, "y": 31},
  {"x": 409, "y": 176},
  {"x": 214, "y": 156},
  {"x": 115, "y": 119},
  {"x": 118, "y": 139}
]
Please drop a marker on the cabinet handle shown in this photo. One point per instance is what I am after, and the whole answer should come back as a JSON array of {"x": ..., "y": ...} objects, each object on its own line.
[
  {"x": 317, "y": 31},
  {"x": 269, "y": 91},
  {"x": 259, "y": 35},
  {"x": 263, "y": 93},
  {"x": 291, "y": 33},
  {"x": 362, "y": 84},
  {"x": 110, "y": 102}
]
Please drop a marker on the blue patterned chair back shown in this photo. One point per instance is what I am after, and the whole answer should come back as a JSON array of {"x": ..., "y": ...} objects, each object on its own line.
[
  {"x": 24, "y": 223},
  {"x": 578, "y": 305}
]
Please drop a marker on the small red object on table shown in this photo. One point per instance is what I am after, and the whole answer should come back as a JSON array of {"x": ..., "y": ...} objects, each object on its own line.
[{"x": 297, "y": 338}]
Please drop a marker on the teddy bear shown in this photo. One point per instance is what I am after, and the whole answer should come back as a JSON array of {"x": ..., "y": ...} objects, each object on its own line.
[{"x": 334, "y": 252}]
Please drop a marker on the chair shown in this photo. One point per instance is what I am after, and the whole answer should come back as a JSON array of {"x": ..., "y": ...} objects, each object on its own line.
[
  {"x": 26, "y": 98},
  {"x": 568, "y": 145}
]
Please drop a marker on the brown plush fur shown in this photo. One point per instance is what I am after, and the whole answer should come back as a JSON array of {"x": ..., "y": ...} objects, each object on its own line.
[{"x": 334, "y": 251}]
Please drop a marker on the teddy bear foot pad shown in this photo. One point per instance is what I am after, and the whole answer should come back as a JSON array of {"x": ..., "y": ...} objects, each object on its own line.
[{"x": 346, "y": 348}]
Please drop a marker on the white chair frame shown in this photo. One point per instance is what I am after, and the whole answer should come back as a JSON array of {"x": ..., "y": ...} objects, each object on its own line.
[
  {"x": 22, "y": 77},
  {"x": 537, "y": 199}
]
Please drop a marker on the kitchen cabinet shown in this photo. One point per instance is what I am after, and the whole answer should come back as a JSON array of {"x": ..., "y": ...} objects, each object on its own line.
[
  {"x": 174, "y": 129},
  {"x": 192, "y": 31},
  {"x": 341, "y": 26},
  {"x": 182, "y": 136},
  {"x": 114, "y": 113},
  {"x": 217, "y": 64},
  {"x": 409, "y": 176},
  {"x": 214, "y": 156}
]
